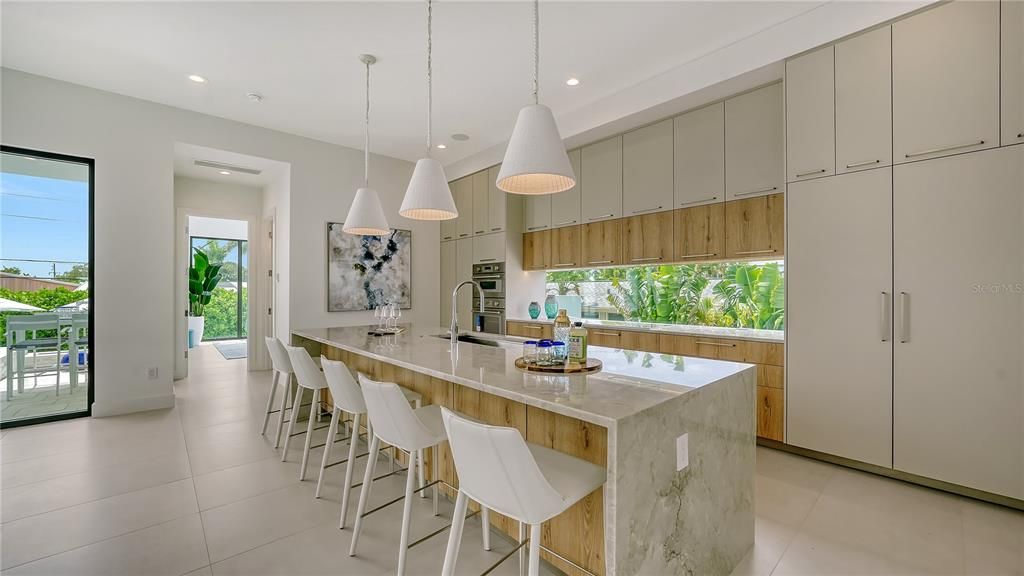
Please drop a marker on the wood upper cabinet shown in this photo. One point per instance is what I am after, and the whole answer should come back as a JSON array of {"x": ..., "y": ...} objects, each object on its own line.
[
  {"x": 754, "y": 143},
  {"x": 699, "y": 233},
  {"x": 565, "y": 206},
  {"x": 565, "y": 247},
  {"x": 864, "y": 101},
  {"x": 810, "y": 115},
  {"x": 647, "y": 239},
  {"x": 699, "y": 144},
  {"x": 647, "y": 160},
  {"x": 481, "y": 203},
  {"x": 537, "y": 213},
  {"x": 601, "y": 243},
  {"x": 462, "y": 190},
  {"x": 755, "y": 228},
  {"x": 496, "y": 211},
  {"x": 945, "y": 71},
  {"x": 601, "y": 173},
  {"x": 1012, "y": 59},
  {"x": 537, "y": 250}
]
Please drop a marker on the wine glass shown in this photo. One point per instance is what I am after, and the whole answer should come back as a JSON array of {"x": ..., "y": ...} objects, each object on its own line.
[
  {"x": 398, "y": 314},
  {"x": 378, "y": 313}
]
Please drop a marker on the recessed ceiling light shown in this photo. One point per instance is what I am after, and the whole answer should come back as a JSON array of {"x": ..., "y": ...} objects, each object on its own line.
[
  {"x": 573, "y": 81},
  {"x": 225, "y": 172},
  {"x": 441, "y": 146},
  {"x": 255, "y": 97},
  {"x": 460, "y": 137},
  {"x": 197, "y": 78}
]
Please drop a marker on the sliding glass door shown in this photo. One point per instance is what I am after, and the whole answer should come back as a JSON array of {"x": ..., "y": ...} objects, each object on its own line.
[
  {"x": 227, "y": 313},
  {"x": 46, "y": 312}
]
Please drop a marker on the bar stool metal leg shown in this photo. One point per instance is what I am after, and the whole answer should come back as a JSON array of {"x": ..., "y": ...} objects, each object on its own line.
[
  {"x": 455, "y": 536},
  {"x": 364, "y": 493},
  {"x": 314, "y": 407},
  {"x": 403, "y": 548},
  {"x": 296, "y": 403},
  {"x": 346, "y": 487},
  {"x": 485, "y": 526},
  {"x": 285, "y": 400},
  {"x": 270, "y": 402},
  {"x": 534, "y": 549},
  {"x": 331, "y": 431}
]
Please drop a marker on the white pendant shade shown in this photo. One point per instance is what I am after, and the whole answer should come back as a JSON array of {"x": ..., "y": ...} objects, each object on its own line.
[
  {"x": 535, "y": 160},
  {"x": 428, "y": 196},
  {"x": 366, "y": 215}
]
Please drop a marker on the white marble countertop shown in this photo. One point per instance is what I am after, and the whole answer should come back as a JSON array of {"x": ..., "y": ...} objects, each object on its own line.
[
  {"x": 630, "y": 382},
  {"x": 682, "y": 329}
]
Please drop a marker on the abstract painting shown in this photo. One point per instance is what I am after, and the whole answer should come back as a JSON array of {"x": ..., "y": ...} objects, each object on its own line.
[{"x": 364, "y": 272}]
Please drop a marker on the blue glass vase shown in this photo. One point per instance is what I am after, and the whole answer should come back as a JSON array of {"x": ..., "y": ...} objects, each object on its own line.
[
  {"x": 551, "y": 306},
  {"x": 534, "y": 310}
]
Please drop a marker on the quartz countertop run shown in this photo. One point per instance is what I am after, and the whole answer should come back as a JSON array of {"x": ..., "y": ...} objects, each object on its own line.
[
  {"x": 630, "y": 382},
  {"x": 681, "y": 329}
]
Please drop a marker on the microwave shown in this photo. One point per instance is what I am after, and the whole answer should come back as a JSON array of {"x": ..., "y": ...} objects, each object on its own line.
[{"x": 491, "y": 278}]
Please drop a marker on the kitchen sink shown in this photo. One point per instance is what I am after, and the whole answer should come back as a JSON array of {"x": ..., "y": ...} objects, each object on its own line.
[{"x": 472, "y": 339}]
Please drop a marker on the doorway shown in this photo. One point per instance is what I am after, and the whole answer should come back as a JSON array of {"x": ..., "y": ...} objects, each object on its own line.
[{"x": 219, "y": 285}]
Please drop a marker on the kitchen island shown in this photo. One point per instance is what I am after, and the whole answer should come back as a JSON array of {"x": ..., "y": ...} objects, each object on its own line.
[{"x": 675, "y": 433}]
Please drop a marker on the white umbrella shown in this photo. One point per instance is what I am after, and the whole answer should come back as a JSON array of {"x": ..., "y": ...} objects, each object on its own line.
[{"x": 12, "y": 306}]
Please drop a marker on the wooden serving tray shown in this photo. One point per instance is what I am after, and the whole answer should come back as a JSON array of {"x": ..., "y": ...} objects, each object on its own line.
[{"x": 592, "y": 365}]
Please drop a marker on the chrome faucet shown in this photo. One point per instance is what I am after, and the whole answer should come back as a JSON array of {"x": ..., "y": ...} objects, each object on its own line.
[{"x": 455, "y": 318}]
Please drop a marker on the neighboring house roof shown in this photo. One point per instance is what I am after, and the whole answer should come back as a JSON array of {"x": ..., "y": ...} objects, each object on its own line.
[{"x": 21, "y": 283}]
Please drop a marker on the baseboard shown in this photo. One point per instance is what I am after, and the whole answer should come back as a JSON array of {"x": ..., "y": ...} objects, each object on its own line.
[{"x": 130, "y": 405}]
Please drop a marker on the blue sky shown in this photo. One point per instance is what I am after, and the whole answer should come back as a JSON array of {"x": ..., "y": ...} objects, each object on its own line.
[{"x": 43, "y": 219}]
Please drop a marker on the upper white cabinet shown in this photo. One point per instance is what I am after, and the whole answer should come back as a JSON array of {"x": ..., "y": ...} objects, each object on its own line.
[
  {"x": 565, "y": 206},
  {"x": 1013, "y": 73},
  {"x": 647, "y": 169},
  {"x": 754, "y": 143},
  {"x": 945, "y": 71},
  {"x": 496, "y": 209},
  {"x": 450, "y": 228},
  {"x": 481, "y": 197},
  {"x": 699, "y": 144},
  {"x": 839, "y": 372},
  {"x": 489, "y": 248},
  {"x": 810, "y": 115},
  {"x": 537, "y": 213},
  {"x": 601, "y": 170},
  {"x": 462, "y": 190},
  {"x": 864, "y": 101}
]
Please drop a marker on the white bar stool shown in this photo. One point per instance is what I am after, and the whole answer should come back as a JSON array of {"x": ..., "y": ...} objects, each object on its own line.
[
  {"x": 526, "y": 482},
  {"x": 282, "y": 367},
  {"x": 309, "y": 377},
  {"x": 395, "y": 423}
]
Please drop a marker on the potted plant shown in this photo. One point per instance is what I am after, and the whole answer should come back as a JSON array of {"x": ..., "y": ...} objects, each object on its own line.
[{"x": 202, "y": 279}]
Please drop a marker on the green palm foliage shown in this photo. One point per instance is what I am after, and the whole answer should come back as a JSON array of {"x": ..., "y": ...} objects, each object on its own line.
[{"x": 202, "y": 280}]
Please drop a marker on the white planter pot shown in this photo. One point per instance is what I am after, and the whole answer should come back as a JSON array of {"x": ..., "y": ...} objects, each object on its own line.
[{"x": 196, "y": 325}]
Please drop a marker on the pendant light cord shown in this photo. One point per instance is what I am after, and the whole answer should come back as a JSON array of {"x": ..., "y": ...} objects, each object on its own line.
[
  {"x": 536, "y": 50},
  {"x": 366, "y": 132},
  {"x": 430, "y": 69}
]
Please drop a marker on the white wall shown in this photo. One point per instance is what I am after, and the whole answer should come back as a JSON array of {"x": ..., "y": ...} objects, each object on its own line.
[
  {"x": 203, "y": 227},
  {"x": 132, "y": 142}
]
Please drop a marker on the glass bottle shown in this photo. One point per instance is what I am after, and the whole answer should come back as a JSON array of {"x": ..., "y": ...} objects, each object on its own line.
[
  {"x": 578, "y": 343},
  {"x": 562, "y": 326}
]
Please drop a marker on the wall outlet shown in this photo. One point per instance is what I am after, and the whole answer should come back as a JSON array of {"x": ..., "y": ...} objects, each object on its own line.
[
  {"x": 154, "y": 373},
  {"x": 682, "y": 452}
]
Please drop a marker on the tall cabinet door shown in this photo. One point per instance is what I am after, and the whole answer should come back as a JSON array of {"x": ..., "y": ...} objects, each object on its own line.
[
  {"x": 462, "y": 191},
  {"x": 647, "y": 164},
  {"x": 496, "y": 201},
  {"x": 565, "y": 206},
  {"x": 945, "y": 81},
  {"x": 449, "y": 261},
  {"x": 864, "y": 101},
  {"x": 1012, "y": 62},
  {"x": 481, "y": 200},
  {"x": 838, "y": 316},
  {"x": 601, "y": 173},
  {"x": 810, "y": 115},
  {"x": 755, "y": 150},
  {"x": 699, "y": 149},
  {"x": 958, "y": 256},
  {"x": 464, "y": 271}
]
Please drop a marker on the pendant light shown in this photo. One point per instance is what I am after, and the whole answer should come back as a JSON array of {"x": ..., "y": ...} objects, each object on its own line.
[
  {"x": 428, "y": 196},
  {"x": 366, "y": 216},
  {"x": 535, "y": 160}
]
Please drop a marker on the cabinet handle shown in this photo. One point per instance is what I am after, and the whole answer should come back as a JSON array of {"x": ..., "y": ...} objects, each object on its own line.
[
  {"x": 564, "y": 223},
  {"x": 719, "y": 344},
  {"x": 495, "y": 229},
  {"x": 601, "y": 217},
  {"x": 448, "y": 237},
  {"x": 944, "y": 149},
  {"x": 600, "y": 262},
  {"x": 648, "y": 259},
  {"x": 1021, "y": 135},
  {"x": 646, "y": 210},
  {"x": 904, "y": 318},
  {"x": 463, "y": 235},
  {"x": 565, "y": 264},
  {"x": 748, "y": 252},
  {"x": 761, "y": 191},
  {"x": 536, "y": 227},
  {"x": 802, "y": 174},
  {"x": 691, "y": 202},
  {"x": 864, "y": 163},
  {"x": 533, "y": 327},
  {"x": 615, "y": 334},
  {"x": 487, "y": 260},
  {"x": 886, "y": 315},
  {"x": 479, "y": 231},
  {"x": 697, "y": 256}
]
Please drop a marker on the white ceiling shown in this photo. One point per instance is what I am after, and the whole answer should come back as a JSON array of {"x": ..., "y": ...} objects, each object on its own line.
[{"x": 185, "y": 156}]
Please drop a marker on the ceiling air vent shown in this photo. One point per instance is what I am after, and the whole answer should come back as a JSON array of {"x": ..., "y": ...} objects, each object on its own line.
[{"x": 228, "y": 167}]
